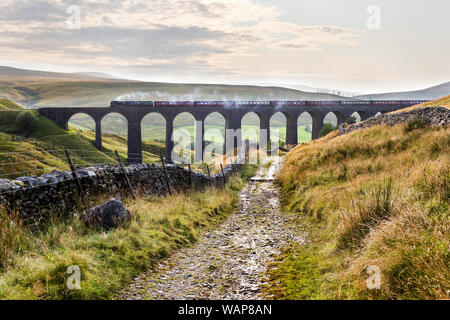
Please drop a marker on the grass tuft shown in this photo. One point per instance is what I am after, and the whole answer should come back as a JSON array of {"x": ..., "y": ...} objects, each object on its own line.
[
  {"x": 364, "y": 215},
  {"x": 415, "y": 124}
]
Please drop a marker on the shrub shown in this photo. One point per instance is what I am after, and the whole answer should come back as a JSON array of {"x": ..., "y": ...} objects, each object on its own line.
[
  {"x": 326, "y": 129},
  {"x": 414, "y": 124},
  {"x": 26, "y": 121},
  {"x": 351, "y": 120}
]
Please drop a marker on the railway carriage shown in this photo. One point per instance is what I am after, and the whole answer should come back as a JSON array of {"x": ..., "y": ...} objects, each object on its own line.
[{"x": 261, "y": 103}]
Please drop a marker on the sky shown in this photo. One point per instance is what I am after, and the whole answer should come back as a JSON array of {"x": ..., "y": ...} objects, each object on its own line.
[{"x": 353, "y": 45}]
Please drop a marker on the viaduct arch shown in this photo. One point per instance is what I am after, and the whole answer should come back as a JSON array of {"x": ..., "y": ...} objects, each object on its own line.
[{"x": 233, "y": 112}]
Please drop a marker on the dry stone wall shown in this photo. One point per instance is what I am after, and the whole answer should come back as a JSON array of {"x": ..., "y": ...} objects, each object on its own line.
[
  {"x": 37, "y": 198},
  {"x": 432, "y": 116}
]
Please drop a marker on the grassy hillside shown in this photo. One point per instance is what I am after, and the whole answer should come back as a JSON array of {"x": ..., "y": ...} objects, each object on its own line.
[
  {"x": 42, "y": 149},
  {"x": 6, "y": 105},
  {"x": 378, "y": 197},
  {"x": 10, "y": 73}
]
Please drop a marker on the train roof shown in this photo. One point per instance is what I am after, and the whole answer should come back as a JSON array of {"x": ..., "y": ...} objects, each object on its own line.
[{"x": 260, "y": 102}]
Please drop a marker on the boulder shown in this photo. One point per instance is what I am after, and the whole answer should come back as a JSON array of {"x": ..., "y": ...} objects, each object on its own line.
[{"x": 108, "y": 215}]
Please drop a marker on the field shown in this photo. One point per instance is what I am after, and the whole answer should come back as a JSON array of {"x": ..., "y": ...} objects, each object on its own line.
[{"x": 250, "y": 132}]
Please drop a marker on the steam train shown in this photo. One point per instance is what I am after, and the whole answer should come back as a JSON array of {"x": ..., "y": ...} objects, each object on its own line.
[{"x": 258, "y": 103}]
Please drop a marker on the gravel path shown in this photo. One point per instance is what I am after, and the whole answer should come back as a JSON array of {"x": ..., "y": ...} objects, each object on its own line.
[{"x": 230, "y": 262}]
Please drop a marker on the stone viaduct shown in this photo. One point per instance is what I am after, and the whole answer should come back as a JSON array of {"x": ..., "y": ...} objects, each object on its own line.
[{"x": 233, "y": 112}]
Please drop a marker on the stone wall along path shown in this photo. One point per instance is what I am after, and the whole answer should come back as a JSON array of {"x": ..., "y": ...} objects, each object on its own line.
[{"x": 229, "y": 262}]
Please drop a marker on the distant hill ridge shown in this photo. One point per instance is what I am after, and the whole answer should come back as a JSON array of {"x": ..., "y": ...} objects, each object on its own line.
[
  {"x": 17, "y": 73},
  {"x": 430, "y": 93}
]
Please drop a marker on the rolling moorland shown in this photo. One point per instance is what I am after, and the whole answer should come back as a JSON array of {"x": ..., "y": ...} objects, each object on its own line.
[{"x": 442, "y": 102}]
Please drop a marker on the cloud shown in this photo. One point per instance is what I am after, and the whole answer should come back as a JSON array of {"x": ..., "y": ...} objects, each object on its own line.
[
  {"x": 32, "y": 11},
  {"x": 157, "y": 34}
]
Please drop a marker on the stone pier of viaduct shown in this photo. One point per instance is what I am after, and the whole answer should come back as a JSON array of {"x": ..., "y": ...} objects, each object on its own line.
[{"x": 232, "y": 113}]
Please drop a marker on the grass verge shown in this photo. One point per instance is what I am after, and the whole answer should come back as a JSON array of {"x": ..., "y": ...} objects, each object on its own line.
[{"x": 378, "y": 197}]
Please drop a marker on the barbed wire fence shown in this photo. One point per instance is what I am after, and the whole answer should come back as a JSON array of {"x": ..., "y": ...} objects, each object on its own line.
[
  {"x": 40, "y": 163},
  {"x": 36, "y": 186}
]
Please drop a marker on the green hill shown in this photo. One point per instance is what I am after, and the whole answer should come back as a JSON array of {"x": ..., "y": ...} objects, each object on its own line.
[
  {"x": 6, "y": 105},
  {"x": 375, "y": 197}
]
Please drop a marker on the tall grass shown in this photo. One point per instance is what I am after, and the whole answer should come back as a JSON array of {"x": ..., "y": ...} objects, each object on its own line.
[
  {"x": 364, "y": 215},
  {"x": 12, "y": 238}
]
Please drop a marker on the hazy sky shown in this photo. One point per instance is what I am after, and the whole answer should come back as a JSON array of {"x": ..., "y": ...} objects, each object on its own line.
[{"x": 355, "y": 45}]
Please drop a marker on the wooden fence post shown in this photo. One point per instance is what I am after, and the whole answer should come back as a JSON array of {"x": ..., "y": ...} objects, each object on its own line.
[
  {"x": 74, "y": 173},
  {"x": 162, "y": 183},
  {"x": 165, "y": 174},
  {"x": 209, "y": 176},
  {"x": 223, "y": 174},
  {"x": 126, "y": 175},
  {"x": 190, "y": 176}
]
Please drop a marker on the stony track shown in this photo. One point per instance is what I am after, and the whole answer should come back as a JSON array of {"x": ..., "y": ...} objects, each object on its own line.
[{"x": 229, "y": 262}]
